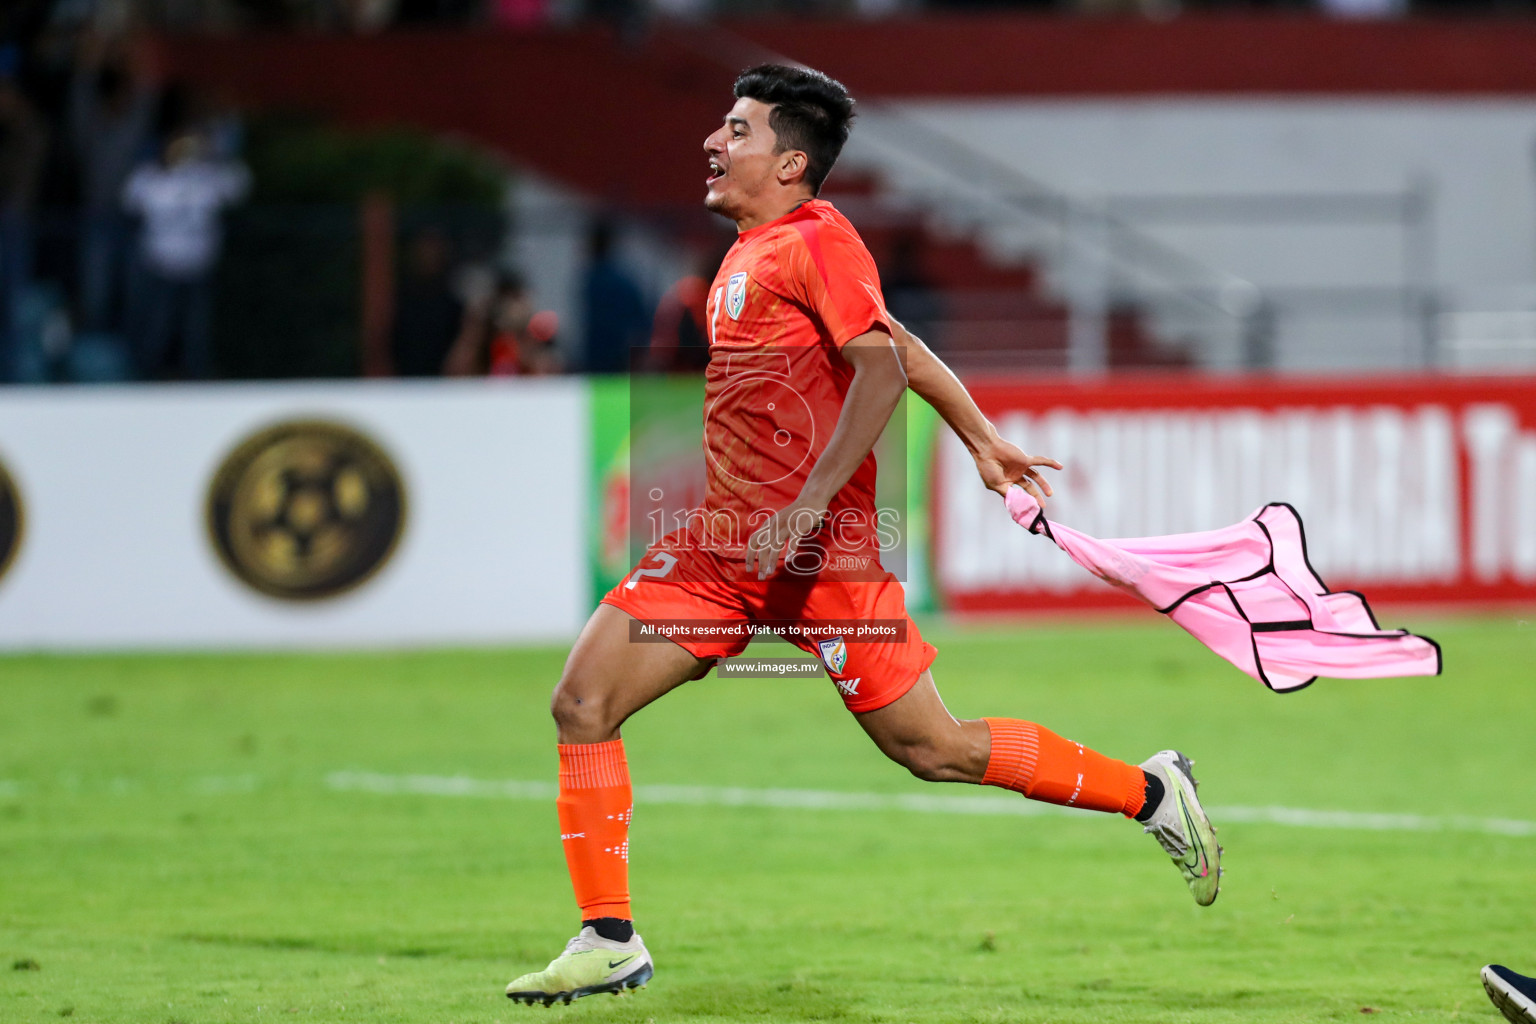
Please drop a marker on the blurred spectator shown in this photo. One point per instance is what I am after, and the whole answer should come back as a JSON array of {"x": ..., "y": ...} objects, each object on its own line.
[
  {"x": 184, "y": 107},
  {"x": 1364, "y": 8},
  {"x": 503, "y": 335},
  {"x": 436, "y": 12},
  {"x": 23, "y": 148},
  {"x": 518, "y": 13},
  {"x": 111, "y": 115},
  {"x": 366, "y": 15},
  {"x": 615, "y": 311},
  {"x": 680, "y": 331},
  {"x": 180, "y": 199},
  {"x": 909, "y": 294},
  {"x": 1146, "y": 8},
  {"x": 627, "y": 18},
  {"x": 187, "y": 15},
  {"x": 428, "y": 313}
]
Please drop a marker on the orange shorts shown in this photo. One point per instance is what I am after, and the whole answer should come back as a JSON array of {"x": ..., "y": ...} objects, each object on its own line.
[{"x": 871, "y": 648}]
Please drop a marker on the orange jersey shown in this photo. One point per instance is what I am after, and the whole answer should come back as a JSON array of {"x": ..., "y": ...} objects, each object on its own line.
[{"x": 788, "y": 296}]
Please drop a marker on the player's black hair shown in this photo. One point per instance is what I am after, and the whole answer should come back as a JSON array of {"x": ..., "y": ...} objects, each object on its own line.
[{"x": 812, "y": 112}]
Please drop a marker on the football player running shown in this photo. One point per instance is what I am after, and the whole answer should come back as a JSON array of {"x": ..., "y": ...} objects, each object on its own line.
[{"x": 806, "y": 368}]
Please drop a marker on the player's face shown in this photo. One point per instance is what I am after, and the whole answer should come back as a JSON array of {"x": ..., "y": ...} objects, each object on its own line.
[{"x": 744, "y": 169}]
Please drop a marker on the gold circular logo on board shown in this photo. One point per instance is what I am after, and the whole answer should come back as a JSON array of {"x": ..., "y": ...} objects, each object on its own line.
[
  {"x": 306, "y": 510},
  {"x": 11, "y": 520}
]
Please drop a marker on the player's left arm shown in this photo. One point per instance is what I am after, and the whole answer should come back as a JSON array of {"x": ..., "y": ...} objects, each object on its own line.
[
  {"x": 1000, "y": 463},
  {"x": 878, "y": 382}
]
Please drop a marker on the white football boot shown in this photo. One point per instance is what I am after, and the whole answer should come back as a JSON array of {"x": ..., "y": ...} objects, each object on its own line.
[
  {"x": 1180, "y": 826},
  {"x": 1514, "y": 994},
  {"x": 589, "y": 965}
]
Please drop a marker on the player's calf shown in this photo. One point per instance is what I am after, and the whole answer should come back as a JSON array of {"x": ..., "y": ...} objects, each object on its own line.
[
  {"x": 933, "y": 762},
  {"x": 918, "y": 733}
]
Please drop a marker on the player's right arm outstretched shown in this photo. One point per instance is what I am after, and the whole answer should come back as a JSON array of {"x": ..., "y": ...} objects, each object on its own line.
[{"x": 1001, "y": 463}]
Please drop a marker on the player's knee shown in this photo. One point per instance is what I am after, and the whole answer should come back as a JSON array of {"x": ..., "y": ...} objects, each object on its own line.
[{"x": 581, "y": 715}]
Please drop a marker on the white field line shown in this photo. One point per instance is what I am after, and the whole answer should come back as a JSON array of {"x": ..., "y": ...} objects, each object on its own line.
[
  {"x": 217, "y": 785},
  {"x": 830, "y": 800}
]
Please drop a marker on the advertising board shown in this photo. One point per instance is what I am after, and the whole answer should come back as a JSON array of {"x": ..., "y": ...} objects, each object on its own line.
[{"x": 1416, "y": 489}]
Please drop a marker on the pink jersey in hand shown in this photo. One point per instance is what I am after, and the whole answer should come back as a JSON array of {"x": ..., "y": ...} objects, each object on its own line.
[{"x": 1248, "y": 593}]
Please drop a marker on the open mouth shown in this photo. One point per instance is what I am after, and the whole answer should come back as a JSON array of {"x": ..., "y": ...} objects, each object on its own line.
[{"x": 716, "y": 172}]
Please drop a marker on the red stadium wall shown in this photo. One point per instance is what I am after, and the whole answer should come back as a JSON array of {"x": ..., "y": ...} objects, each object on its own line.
[
  {"x": 1415, "y": 489},
  {"x": 619, "y": 121},
  {"x": 1040, "y": 55}
]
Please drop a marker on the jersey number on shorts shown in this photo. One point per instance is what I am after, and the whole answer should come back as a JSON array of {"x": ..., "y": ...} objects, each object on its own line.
[{"x": 666, "y": 563}]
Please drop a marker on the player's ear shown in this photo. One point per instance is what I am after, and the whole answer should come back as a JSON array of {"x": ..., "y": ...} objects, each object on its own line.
[{"x": 792, "y": 167}]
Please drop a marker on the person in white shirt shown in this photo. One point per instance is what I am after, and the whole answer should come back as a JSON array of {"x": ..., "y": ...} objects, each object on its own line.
[{"x": 179, "y": 199}]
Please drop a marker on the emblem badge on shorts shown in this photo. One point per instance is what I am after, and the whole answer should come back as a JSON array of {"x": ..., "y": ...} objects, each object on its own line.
[
  {"x": 736, "y": 295},
  {"x": 834, "y": 653}
]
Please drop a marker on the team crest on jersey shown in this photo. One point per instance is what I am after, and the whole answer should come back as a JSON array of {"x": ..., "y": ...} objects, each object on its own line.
[
  {"x": 834, "y": 653},
  {"x": 736, "y": 295}
]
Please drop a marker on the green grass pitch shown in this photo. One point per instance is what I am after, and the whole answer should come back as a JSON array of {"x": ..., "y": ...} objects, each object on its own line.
[{"x": 170, "y": 850}]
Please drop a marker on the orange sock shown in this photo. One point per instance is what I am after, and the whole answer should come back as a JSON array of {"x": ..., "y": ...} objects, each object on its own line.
[
  {"x": 1034, "y": 761},
  {"x": 595, "y": 806}
]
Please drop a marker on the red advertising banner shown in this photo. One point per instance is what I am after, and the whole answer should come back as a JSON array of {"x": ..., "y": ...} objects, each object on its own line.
[{"x": 1411, "y": 489}]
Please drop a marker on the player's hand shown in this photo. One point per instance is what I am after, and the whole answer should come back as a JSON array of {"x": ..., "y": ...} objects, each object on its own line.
[
  {"x": 779, "y": 538},
  {"x": 1003, "y": 464}
]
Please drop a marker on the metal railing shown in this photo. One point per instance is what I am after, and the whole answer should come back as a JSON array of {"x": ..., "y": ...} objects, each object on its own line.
[{"x": 1412, "y": 300}]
